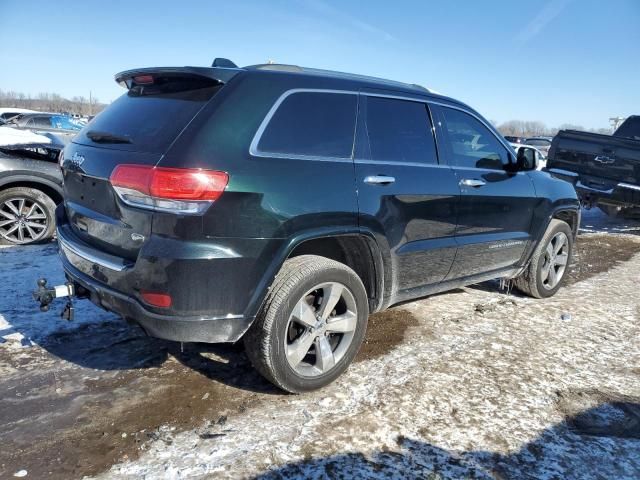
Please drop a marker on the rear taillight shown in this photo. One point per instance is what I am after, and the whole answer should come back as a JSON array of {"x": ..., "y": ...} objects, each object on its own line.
[{"x": 179, "y": 190}]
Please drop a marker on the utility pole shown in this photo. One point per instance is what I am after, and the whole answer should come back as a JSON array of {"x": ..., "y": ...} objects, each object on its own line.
[{"x": 90, "y": 104}]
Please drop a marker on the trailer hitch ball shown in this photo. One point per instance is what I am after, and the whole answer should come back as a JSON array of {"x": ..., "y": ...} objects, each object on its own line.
[{"x": 45, "y": 295}]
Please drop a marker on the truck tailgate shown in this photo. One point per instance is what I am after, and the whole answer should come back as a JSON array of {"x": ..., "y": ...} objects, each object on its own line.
[{"x": 612, "y": 159}]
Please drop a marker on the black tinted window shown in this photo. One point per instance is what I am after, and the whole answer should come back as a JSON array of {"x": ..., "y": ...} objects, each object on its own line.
[
  {"x": 472, "y": 144},
  {"x": 399, "y": 131},
  {"x": 151, "y": 120},
  {"x": 41, "y": 122},
  {"x": 538, "y": 142},
  {"x": 312, "y": 123}
]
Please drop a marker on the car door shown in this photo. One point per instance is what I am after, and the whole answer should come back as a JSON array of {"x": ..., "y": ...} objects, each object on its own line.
[
  {"x": 405, "y": 195},
  {"x": 496, "y": 203}
]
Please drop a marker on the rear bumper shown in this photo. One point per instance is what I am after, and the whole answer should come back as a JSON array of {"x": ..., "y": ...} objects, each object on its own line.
[
  {"x": 114, "y": 284},
  {"x": 593, "y": 190},
  {"x": 619, "y": 194},
  {"x": 180, "y": 329}
]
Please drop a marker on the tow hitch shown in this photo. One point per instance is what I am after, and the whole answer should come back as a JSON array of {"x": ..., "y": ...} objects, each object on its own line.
[{"x": 45, "y": 295}]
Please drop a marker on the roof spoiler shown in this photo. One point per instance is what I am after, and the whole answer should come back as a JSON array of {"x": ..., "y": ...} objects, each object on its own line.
[{"x": 127, "y": 78}]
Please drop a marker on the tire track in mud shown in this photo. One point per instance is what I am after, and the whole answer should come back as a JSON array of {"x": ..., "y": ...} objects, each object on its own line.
[{"x": 88, "y": 398}]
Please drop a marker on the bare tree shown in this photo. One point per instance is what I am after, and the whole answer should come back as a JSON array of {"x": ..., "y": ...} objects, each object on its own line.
[{"x": 50, "y": 102}]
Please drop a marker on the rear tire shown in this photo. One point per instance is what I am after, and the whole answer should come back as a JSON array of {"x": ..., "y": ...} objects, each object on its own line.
[
  {"x": 311, "y": 325},
  {"x": 549, "y": 262},
  {"x": 27, "y": 216}
]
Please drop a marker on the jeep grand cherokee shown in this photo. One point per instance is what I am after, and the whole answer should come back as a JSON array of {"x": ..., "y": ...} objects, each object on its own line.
[{"x": 282, "y": 205}]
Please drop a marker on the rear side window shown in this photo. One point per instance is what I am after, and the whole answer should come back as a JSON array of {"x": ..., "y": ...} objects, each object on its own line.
[
  {"x": 400, "y": 131},
  {"x": 471, "y": 144},
  {"x": 149, "y": 119},
  {"x": 40, "y": 122},
  {"x": 317, "y": 124}
]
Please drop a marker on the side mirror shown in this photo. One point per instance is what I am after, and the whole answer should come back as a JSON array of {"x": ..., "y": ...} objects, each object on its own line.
[{"x": 526, "y": 159}]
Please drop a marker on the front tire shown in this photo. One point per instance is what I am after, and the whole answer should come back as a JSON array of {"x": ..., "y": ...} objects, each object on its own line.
[
  {"x": 311, "y": 325},
  {"x": 27, "y": 216},
  {"x": 548, "y": 266}
]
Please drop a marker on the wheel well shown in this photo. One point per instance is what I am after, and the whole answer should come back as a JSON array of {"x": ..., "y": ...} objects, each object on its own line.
[
  {"x": 46, "y": 189},
  {"x": 351, "y": 250},
  {"x": 570, "y": 217}
]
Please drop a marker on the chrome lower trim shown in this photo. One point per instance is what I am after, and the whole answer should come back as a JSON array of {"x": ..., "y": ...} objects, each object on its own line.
[
  {"x": 584, "y": 187},
  {"x": 629, "y": 186},
  {"x": 103, "y": 259},
  {"x": 566, "y": 173}
]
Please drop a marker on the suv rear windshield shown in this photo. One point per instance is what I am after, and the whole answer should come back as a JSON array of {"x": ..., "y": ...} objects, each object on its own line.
[{"x": 149, "y": 119}]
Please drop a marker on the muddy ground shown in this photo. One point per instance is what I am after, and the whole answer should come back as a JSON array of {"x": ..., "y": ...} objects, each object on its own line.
[{"x": 474, "y": 383}]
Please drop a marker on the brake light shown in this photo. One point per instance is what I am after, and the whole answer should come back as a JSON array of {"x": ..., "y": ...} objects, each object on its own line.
[
  {"x": 180, "y": 190},
  {"x": 162, "y": 300},
  {"x": 143, "y": 79}
]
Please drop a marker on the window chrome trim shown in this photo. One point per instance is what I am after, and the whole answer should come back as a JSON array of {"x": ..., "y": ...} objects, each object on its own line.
[
  {"x": 629, "y": 186},
  {"x": 255, "y": 152},
  {"x": 361, "y": 161}
]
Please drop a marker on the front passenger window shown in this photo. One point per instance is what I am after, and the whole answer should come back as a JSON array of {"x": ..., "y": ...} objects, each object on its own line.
[{"x": 471, "y": 144}]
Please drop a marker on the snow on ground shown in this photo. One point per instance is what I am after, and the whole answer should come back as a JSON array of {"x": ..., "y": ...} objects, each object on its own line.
[
  {"x": 21, "y": 322},
  {"x": 477, "y": 390},
  {"x": 480, "y": 388},
  {"x": 484, "y": 385}
]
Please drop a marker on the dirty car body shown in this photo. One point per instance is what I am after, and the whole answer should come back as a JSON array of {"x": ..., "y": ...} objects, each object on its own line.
[{"x": 409, "y": 223}]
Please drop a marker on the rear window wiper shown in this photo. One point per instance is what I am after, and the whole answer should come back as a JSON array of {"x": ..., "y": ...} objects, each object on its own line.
[{"x": 106, "y": 137}]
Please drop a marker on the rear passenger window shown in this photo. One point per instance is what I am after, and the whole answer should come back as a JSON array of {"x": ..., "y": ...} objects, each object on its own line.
[
  {"x": 319, "y": 124},
  {"x": 472, "y": 145},
  {"x": 400, "y": 131},
  {"x": 40, "y": 122}
]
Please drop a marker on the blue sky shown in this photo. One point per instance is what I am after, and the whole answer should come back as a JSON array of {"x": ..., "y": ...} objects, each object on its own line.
[{"x": 557, "y": 61}]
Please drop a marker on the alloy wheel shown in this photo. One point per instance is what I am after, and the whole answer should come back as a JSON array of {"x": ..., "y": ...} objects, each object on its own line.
[
  {"x": 22, "y": 220},
  {"x": 320, "y": 329},
  {"x": 556, "y": 257}
]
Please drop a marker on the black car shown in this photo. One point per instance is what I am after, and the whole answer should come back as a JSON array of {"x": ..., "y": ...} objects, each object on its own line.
[
  {"x": 604, "y": 168},
  {"x": 30, "y": 189},
  {"x": 283, "y": 205}
]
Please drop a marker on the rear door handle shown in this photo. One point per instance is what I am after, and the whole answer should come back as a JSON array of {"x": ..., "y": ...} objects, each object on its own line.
[
  {"x": 472, "y": 182},
  {"x": 379, "y": 180}
]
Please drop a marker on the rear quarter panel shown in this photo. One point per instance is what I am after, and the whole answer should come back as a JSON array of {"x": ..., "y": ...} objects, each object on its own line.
[{"x": 270, "y": 203}]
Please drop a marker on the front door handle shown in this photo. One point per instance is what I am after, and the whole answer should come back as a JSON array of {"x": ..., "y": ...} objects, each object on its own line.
[
  {"x": 472, "y": 182},
  {"x": 379, "y": 180}
]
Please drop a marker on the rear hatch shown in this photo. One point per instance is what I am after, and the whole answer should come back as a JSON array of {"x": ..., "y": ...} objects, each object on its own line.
[
  {"x": 604, "y": 160},
  {"x": 136, "y": 129}
]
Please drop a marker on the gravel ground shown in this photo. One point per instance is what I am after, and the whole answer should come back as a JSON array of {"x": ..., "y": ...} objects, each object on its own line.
[{"x": 475, "y": 383}]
